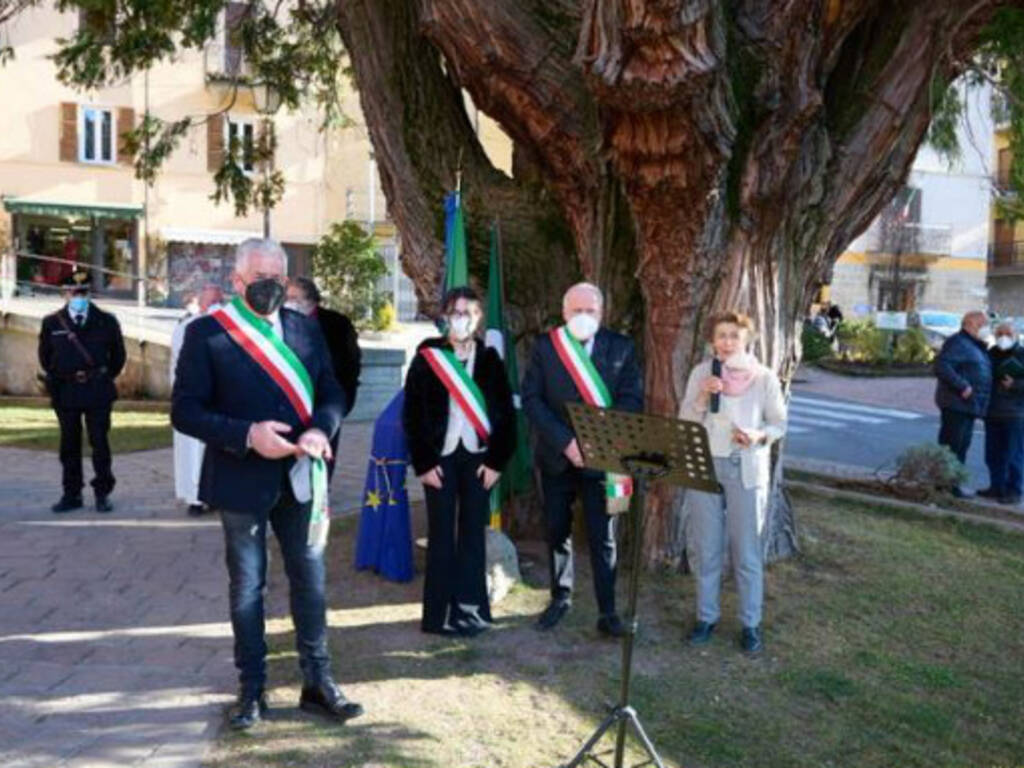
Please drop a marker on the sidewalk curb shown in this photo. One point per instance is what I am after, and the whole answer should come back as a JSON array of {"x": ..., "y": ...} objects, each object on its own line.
[{"x": 926, "y": 510}]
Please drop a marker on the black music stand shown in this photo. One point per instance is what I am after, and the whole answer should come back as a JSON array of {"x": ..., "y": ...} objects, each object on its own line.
[{"x": 648, "y": 448}]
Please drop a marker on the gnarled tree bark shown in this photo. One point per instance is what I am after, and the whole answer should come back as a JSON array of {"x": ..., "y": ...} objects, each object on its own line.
[{"x": 718, "y": 153}]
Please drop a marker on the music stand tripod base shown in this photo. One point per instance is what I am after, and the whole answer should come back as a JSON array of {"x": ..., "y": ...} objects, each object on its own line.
[{"x": 648, "y": 448}]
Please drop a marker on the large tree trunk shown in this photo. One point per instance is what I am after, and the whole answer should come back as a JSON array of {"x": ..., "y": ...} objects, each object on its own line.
[{"x": 715, "y": 154}]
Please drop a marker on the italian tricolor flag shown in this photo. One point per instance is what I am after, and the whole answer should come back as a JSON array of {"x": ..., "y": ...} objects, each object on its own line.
[
  {"x": 594, "y": 392},
  {"x": 255, "y": 335},
  {"x": 461, "y": 387}
]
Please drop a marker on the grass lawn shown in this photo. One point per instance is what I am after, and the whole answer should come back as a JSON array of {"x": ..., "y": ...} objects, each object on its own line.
[
  {"x": 892, "y": 641},
  {"x": 35, "y": 427}
]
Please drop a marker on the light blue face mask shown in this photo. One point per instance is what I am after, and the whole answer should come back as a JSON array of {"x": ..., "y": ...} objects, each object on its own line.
[{"x": 78, "y": 304}]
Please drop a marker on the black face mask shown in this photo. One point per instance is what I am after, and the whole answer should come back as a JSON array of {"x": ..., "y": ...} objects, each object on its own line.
[{"x": 265, "y": 296}]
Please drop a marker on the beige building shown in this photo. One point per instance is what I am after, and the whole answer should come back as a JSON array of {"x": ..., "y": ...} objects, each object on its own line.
[{"x": 69, "y": 191}]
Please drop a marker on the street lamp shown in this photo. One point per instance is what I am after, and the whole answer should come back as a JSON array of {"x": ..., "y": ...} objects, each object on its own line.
[{"x": 267, "y": 100}]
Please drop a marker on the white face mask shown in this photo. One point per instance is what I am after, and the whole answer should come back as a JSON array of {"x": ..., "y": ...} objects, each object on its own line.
[
  {"x": 213, "y": 307},
  {"x": 460, "y": 327},
  {"x": 741, "y": 361},
  {"x": 583, "y": 326},
  {"x": 985, "y": 332},
  {"x": 294, "y": 306},
  {"x": 192, "y": 307},
  {"x": 1005, "y": 342}
]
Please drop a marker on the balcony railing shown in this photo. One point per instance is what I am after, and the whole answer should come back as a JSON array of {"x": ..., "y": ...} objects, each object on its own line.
[
  {"x": 917, "y": 238},
  {"x": 1008, "y": 254},
  {"x": 224, "y": 61}
]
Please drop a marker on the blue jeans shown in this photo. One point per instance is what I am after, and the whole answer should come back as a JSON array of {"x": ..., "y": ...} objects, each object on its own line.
[
  {"x": 1004, "y": 455},
  {"x": 245, "y": 540}
]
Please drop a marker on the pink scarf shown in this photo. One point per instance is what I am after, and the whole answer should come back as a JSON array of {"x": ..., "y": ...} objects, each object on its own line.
[{"x": 738, "y": 373}]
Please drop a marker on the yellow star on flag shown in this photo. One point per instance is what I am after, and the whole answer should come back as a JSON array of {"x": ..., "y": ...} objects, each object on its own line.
[{"x": 373, "y": 500}]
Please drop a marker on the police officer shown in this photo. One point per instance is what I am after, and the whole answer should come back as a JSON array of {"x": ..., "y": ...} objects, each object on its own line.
[{"x": 82, "y": 352}]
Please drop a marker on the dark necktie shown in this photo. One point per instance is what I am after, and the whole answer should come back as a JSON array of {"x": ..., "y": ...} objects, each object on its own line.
[{"x": 79, "y": 320}]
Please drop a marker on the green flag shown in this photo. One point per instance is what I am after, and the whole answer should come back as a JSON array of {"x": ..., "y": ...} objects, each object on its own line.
[
  {"x": 456, "y": 270},
  {"x": 517, "y": 476}
]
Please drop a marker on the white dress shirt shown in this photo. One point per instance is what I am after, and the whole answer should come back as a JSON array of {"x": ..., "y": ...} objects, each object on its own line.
[{"x": 460, "y": 429}]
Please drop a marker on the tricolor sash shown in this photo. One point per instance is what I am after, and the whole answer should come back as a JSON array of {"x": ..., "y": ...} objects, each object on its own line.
[
  {"x": 461, "y": 387},
  {"x": 594, "y": 392},
  {"x": 255, "y": 335}
]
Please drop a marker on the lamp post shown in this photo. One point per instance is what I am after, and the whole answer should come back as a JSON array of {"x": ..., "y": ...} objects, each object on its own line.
[{"x": 267, "y": 100}]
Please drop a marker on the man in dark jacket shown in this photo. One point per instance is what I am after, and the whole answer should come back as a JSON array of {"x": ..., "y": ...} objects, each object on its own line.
[
  {"x": 254, "y": 383},
  {"x": 1004, "y": 423},
  {"x": 964, "y": 385},
  {"x": 81, "y": 351},
  {"x": 547, "y": 386},
  {"x": 341, "y": 336}
]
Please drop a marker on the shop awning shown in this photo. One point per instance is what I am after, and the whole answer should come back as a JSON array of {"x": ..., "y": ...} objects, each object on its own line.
[
  {"x": 71, "y": 210},
  {"x": 207, "y": 236}
]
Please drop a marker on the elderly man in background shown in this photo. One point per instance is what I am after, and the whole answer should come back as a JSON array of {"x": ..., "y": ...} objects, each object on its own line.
[
  {"x": 1004, "y": 423},
  {"x": 188, "y": 452},
  {"x": 964, "y": 386},
  {"x": 254, "y": 382},
  {"x": 579, "y": 362}
]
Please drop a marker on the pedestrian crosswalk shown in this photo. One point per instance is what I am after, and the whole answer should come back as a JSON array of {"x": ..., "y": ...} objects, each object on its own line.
[{"x": 807, "y": 413}]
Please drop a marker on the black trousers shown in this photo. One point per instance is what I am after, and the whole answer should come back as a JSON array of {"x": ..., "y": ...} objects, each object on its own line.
[
  {"x": 955, "y": 432},
  {"x": 455, "y": 586},
  {"x": 97, "y": 424},
  {"x": 559, "y": 493}
]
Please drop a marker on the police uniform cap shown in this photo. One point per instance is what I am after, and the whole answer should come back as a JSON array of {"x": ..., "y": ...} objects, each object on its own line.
[{"x": 80, "y": 279}]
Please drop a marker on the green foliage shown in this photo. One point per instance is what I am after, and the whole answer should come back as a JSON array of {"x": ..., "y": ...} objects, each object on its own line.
[
  {"x": 930, "y": 466},
  {"x": 385, "y": 318},
  {"x": 861, "y": 341},
  {"x": 347, "y": 267},
  {"x": 947, "y": 112},
  {"x": 912, "y": 347},
  {"x": 815, "y": 345}
]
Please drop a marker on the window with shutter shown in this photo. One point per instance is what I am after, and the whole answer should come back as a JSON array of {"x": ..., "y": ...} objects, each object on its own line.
[
  {"x": 68, "y": 143},
  {"x": 125, "y": 124},
  {"x": 214, "y": 143},
  {"x": 242, "y": 133},
  {"x": 96, "y": 136}
]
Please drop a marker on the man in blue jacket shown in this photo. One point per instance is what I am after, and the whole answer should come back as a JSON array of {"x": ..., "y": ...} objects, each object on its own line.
[
  {"x": 964, "y": 386},
  {"x": 550, "y": 382},
  {"x": 254, "y": 383}
]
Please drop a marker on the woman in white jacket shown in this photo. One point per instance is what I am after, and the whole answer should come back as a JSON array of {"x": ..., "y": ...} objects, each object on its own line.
[{"x": 740, "y": 403}]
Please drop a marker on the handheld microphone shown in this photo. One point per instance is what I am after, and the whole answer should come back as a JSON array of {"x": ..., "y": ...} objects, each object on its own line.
[{"x": 716, "y": 370}]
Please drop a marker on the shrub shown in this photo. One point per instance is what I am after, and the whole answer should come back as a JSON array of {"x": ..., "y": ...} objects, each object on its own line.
[
  {"x": 912, "y": 347},
  {"x": 929, "y": 466},
  {"x": 815, "y": 345},
  {"x": 859, "y": 340},
  {"x": 386, "y": 318},
  {"x": 347, "y": 266}
]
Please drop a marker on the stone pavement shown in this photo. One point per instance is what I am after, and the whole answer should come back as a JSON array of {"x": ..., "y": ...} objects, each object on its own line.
[
  {"x": 909, "y": 393},
  {"x": 115, "y": 648}
]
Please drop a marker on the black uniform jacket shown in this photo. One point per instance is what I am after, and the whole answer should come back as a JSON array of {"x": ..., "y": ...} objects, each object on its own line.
[
  {"x": 220, "y": 391},
  {"x": 425, "y": 412},
  {"x": 547, "y": 387},
  {"x": 72, "y": 381},
  {"x": 343, "y": 344}
]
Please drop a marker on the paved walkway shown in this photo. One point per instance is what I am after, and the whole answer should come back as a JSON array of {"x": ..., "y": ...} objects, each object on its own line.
[{"x": 115, "y": 649}]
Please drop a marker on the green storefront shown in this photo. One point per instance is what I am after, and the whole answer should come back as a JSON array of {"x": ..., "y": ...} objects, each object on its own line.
[{"x": 51, "y": 239}]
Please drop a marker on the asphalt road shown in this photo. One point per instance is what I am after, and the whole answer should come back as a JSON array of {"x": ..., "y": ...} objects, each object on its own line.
[{"x": 825, "y": 428}]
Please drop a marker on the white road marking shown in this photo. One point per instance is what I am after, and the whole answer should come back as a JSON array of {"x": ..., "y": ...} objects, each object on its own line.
[{"x": 889, "y": 412}]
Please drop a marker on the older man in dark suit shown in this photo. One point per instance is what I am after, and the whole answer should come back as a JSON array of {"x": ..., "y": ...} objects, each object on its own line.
[
  {"x": 580, "y": 353},
  {"x": 254, "y": 383}
]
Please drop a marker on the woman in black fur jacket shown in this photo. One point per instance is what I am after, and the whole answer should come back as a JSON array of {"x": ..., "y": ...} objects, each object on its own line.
[{"x": 461, "y": 429}]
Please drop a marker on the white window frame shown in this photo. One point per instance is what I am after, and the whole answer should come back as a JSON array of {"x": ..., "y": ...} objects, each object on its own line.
[
  {"x": 242, "y": 122},
  {"x": 97, "y": 158}
]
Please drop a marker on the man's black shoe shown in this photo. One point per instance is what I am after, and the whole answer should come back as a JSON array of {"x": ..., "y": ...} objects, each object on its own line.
[
  {"x": 196, "y": 510},
  {"x": 103, "y": 504},
  {"x": 326, "y": 698},
  {"x": 67, "y": 503},
  {"x": 248, "y": 711},
  {"x": 1009, "y": 500},
  {"x": 962, "y": 492},
  {"x": 701, "y": 633},
  {"x": 553, "y": 614},
  {"x": 611, "y": 626},
  {"x": 988, "y": 493},
  {"x": 751, "y": 641}
]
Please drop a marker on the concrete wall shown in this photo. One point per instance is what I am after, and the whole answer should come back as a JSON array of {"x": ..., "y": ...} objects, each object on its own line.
[
  {"x": 144, "y": 375},
  {"x": 1006, "y": 295}
]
